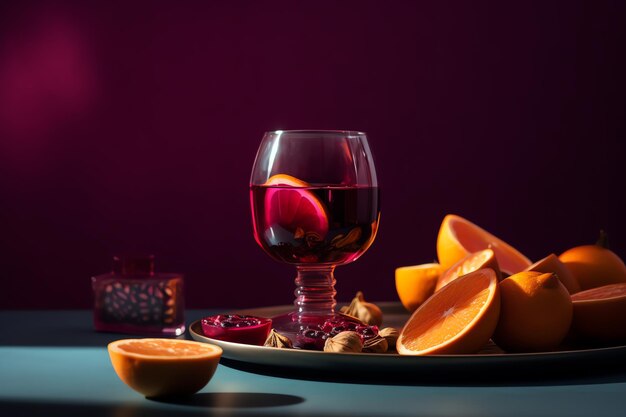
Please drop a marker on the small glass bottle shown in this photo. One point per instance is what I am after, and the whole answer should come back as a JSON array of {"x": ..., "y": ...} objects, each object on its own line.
[{"x": 134, "y": 299}]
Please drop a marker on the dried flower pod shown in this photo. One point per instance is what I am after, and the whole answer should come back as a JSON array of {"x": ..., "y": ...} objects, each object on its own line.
[
  {"x": 344, "y": 342},
  {"x": 377, "y": 344},
  {"x": 277, "y": 340},
  {"x": 368, "y": 313},
  {"x": 391, "y": 335}
]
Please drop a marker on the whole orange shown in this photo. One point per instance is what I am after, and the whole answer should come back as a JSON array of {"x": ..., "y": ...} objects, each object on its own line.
[
  {"x": 594, "y": 265},
  {"x": 535, "y": 313}
]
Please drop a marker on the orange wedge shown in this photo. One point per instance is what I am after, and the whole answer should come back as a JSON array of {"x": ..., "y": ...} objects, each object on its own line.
[
  {"x": 416, "y": 283},
  {"x": 600, "y": 313},
  {"x": 551, "y": 263},
  {"x": 164, "y": 367},
  {"x": 458, "y": 319},
  {"x": 459, "y": 237},
  {"x": 472, "y": 262},
  {"x": 290, "y": 206}
]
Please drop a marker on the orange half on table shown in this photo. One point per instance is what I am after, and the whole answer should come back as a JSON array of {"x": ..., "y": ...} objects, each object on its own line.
[{"x": 164, "y": 367}]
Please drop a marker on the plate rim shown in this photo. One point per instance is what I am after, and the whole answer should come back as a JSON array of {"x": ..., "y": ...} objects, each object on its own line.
[{"x": 230, "y": 346}]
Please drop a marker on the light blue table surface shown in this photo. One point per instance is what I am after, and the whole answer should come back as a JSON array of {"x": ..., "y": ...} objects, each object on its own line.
[{"x": 52, "y": 363}]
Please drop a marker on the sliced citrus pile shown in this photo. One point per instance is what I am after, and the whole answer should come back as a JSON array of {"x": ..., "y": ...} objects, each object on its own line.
[
  {"x": 164, "y": 367},
  {"x": 459, "y": 237},
  {"x": 552, "y": 264},
  {"x": 416, "y": 283},
  {"x": 600, "y": 313},
  {"x": 289, "y": 205},
  {"x": 472, "y": 262},
  {"x": 594, "y": 265},
  {"x": 460, "y": 318},
  {"x": 536, "y": 312}
]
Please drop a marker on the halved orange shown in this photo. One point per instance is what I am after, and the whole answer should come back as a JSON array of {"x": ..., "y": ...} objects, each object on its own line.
[
  {"x": 290, "y": 206},
  {"x": 164, "y": 367},
  {"x": 458, "y": 319},
  {"x": 416, "y": 283},
  {"x": 472, "y": 262},
  {"x": 551, "y": 263},
  {"x": 600, "y": 313},
  {"x": 459, "y": 237}
]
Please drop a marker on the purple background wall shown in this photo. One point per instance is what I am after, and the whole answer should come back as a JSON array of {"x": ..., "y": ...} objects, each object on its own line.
[{"x": 133, "y": 126}]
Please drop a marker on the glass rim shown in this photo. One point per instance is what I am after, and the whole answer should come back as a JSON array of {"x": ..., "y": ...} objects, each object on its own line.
[{"x": 319, "y": 131}]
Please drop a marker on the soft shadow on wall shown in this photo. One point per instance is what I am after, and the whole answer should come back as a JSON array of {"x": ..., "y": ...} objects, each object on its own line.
[{"x": 133, "y": 127}]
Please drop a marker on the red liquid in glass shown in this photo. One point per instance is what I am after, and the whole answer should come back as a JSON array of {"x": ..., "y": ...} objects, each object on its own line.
[{"x": 318, "y": 225}]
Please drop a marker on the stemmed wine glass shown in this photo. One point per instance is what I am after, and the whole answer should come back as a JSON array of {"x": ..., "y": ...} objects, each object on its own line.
[{"x": 314, "y": 200}]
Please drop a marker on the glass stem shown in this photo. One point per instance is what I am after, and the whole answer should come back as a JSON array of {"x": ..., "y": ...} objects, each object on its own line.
[{"x": 315, "y": 291}]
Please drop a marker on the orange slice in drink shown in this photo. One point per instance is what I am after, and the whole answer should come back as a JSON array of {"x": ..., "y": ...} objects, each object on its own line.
[
  {"x": 290, "y": 206},
  {"x": 164, "y": 367},
  {"x": 284, "y": 179},
  {"x": 600, "y": 313},
  {"x": 472, "y": 262},
  {"x": 459, "y": 237},
  {"x": 458, "y": 319}
]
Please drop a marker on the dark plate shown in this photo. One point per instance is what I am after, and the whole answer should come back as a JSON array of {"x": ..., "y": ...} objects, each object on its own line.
[{"x": 489, "y": 363}]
